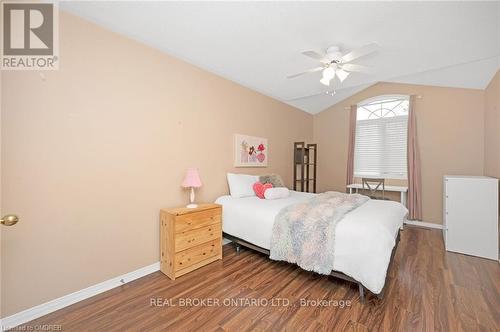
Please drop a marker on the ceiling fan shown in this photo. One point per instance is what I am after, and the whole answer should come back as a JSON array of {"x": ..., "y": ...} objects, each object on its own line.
[{"x": 334, "y": 63}]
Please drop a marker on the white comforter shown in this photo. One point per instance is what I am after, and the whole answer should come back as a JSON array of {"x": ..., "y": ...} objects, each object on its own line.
[{"x": 363, "y": 242}]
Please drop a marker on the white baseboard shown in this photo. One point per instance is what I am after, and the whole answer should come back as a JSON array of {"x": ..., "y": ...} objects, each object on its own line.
[
  {"x": 66, "y": 300},
  {"x": 423, "y": 224}
]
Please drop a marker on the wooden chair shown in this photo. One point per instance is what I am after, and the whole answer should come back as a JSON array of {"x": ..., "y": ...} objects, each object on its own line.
[{"x": 373, "y": 185}]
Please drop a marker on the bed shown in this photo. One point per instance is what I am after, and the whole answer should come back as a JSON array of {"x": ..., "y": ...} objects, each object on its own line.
[{"x": 366, "y": 238}]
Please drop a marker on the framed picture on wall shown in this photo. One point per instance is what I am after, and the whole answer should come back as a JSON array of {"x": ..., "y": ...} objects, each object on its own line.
[{"x": 250, "y": 151}]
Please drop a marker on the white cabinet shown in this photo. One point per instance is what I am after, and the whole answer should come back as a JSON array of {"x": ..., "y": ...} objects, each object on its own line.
[{"x": 471, "y": 215}]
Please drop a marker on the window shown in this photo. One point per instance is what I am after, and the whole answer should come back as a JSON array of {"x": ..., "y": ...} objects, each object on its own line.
[{"x": 381, "y": 138}]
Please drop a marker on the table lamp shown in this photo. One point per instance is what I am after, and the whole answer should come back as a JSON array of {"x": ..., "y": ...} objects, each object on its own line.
[{"x": 192, "y": 180}]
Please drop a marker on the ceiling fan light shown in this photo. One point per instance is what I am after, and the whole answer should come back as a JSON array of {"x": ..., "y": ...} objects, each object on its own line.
[
  {"x": 342, "y": 74},
  {"x": 329, "y": 73},
  {"x": 325, "y": 81}
]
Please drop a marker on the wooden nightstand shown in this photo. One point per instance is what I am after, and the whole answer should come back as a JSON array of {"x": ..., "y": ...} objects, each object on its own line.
[{"x": 190, "y": 238}]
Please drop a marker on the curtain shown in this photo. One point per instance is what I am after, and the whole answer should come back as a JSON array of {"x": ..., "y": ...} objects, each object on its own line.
[
  {"x": 351, "y": 144},
  {"x": 414, "y": 175}
]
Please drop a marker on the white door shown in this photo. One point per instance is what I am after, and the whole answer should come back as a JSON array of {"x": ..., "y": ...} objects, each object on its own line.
[{"x": 6, "y": 222}]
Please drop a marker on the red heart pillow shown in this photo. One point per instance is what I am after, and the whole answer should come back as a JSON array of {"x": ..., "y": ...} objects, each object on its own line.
[{"x": 260, "y": 188}]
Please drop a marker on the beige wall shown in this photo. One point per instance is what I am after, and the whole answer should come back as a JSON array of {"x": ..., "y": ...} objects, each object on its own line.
[
  {"x": 93, "y": 151},
  {"x": 492, "y": 128},
  {"x": 1, "y": 211},
  {"x": 450, "y": 124}
]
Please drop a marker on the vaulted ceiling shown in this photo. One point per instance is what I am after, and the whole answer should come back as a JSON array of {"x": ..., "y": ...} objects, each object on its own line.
[{"x": 257, "y": 44}]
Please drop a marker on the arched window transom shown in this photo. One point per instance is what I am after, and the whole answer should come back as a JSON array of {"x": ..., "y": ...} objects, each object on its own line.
[{"x": 383, "y": 107}]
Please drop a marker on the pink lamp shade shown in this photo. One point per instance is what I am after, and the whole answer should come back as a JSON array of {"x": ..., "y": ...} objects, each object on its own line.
[{"x": 192, "y": 179}]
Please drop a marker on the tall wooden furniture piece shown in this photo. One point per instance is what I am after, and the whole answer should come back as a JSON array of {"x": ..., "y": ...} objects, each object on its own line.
[
  {"x": 190, "y": 238},
  {"x": 305, "y": 158},
  {"x": 470, "y": 215}
]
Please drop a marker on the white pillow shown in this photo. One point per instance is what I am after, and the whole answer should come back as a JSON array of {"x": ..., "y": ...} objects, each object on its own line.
[
  {"x": 276, "y": 193},
  {"x": 241, "y": 185}
]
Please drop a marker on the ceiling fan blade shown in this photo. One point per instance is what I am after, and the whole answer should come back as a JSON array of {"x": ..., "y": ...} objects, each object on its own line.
[
  {"x": 359, "y": 52},
  {"x": 306, "y": 72},
  {"x": 315, "y": 55},
  {"x": 356, "y": 68}
]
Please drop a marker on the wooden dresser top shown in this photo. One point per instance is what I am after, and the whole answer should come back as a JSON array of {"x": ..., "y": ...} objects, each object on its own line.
[{"x": 184, "y": 210}]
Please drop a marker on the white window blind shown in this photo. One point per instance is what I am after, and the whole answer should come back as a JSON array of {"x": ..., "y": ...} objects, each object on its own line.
[{"x": 381, "y": 139}]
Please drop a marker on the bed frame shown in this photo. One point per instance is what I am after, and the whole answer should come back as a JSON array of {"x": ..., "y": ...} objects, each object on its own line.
[{"x": 337, "y": 274}]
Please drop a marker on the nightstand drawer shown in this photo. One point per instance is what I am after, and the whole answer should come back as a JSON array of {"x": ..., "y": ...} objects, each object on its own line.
[
  {"x": 197, "y": 236},
  {"x": 192, "y": 221},
  {"x": 197, "y": 254}
]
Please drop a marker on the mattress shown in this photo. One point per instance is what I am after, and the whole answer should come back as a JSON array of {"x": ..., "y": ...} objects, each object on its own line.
[{"x": 364, "y": 238}]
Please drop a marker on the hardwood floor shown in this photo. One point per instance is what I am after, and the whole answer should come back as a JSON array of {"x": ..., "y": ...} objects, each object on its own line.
[{"x": 428, "y": 290}]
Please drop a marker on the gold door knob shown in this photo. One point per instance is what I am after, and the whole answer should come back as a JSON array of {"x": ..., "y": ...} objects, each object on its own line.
[{"x": 9, "y": 220}]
